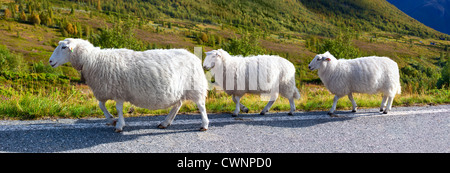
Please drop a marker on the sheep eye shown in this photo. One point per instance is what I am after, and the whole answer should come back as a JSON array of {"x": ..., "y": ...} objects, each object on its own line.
[
  {"x": 63, "y": 47},
  {"x": 319, "y": 59}
]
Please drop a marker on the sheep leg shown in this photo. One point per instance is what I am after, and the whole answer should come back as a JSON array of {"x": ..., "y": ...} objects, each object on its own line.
[
  {"x": 205, "y": 122},
  {"x": 237, "y": 110},
  {"x": 273, "y": 97},
  {"x": 243, "y": 108},
  {"x": 171, "y": 116},
  {"x": 355, "y": 107},
  {"x": 389, "y": 104},
  {"x": 121, "y": 122},
  {"x": 333, "y": 108},
  {"x": 292, "y": 104},
  {"x": 267, "y": 108},
  {"x": 108, "y": 116},
  {"x": 383, "y": 103}
]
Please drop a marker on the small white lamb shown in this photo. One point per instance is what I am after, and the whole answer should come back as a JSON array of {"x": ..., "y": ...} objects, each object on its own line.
[
  {"x": 361, "y": 75},
  {"x": 262, "y": 74},
  {"x": 152, "y": 79}
]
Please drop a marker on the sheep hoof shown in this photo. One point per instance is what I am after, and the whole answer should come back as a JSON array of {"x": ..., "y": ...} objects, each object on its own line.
[
  {"x": 118, "y": 130},
  {"x": 332, "y": 114},
  {"x": 385, "y": 112},
  {"x": 290, "y": 113},
  {"x": 202, "y": 129},
  {"x": 354, "y": 110},
  {"x": 381, "y": 110},
  {"x": 245, "y": 110},
  {"x": 234, "y": 115},
  {"x": 161, "y": 126},
  {"x": 262, "y": 113}
]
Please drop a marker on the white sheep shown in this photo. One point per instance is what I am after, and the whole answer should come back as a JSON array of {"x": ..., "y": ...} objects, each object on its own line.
[
  {"x": 152, "y": 79},
  {"x": 361, "y": 75},
  {"x": 262, "y": 74}
]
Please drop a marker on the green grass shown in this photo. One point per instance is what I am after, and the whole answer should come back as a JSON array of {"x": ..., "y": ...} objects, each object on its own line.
[
  {"x": 78, "y": 102},
  {"x": 46, "y": 103}
]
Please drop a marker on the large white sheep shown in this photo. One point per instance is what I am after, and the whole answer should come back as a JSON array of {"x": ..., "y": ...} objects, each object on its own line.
[
  {"x": 262, "y": 74},
  {"x": 152, "y": 79},
  {"x": 361, "y": 75}
]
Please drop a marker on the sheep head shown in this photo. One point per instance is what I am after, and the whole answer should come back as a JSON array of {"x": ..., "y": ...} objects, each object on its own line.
[
  {"x": 212, "y": 57},
  {"x": 62, "y": 52},
  {"x": 321, "y": 61}
]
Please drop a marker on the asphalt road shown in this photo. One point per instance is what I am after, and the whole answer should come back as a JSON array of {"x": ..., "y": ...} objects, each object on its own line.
[{"x": 404, "y": 129}]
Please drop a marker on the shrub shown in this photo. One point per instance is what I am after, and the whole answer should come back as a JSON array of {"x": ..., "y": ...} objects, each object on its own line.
[
  {"x": 34, "y": 19},
  {"x": 70, "y": 29},
  {"x": 246, "y": 45},
  {"x": 9, "y": 61},
  {"x": 7, "y": 14},
  {"x": 204, "y": 37},
  {"x": 121, "y": 36},
  {"x": 23, "y": 16},
  {"x": 444, "y": 80},
  {"x": 340, "y": 47}
]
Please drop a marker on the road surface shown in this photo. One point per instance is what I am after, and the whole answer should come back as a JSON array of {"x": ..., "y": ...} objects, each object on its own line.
[{"x": 404, "y": 129}]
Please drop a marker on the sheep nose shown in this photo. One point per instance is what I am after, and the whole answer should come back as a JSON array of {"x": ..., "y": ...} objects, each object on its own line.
[{"x": 50, "y": 61}]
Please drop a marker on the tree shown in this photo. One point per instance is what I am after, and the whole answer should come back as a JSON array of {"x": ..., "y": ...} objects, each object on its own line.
[
  {"x": 79, "y": 30},
  {"x": 99, "y": 7},
  {"x": 340, "y": 47},
  {"x": 7, "y": 14},
  {"x": 444, "y": 80},
  {"x": 72, "y": 10},
  {"x": 69, "y": 28},
  {"x": 46, "y": 19},
  {"x": 204, "y": 37},
  {"x": 212, "y": 40},
  {"x": 34, "y": 19},
  {"x": 246, "y": 45},
  {"x": 23, "y": 17}
]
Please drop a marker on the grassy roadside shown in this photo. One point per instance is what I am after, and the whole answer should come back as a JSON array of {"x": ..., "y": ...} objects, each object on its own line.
[{"x": 30, "y": 100}]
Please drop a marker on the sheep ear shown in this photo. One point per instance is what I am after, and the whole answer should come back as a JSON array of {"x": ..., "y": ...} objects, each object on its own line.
[
  {"x": 218, "y": 54},
  {"x": 71, "y": 46},
  {"x": 70, "y": 43}
]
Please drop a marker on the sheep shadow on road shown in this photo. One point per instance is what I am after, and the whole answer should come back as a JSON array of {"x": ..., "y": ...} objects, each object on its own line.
[{"x": 96, "y": 134}]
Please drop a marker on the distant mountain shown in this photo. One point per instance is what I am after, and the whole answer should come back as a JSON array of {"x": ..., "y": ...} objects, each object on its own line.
[{"x": 433, "y": 13}]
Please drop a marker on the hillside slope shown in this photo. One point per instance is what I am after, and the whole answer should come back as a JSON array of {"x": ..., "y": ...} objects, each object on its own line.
[{"x": 319, "y": 17}]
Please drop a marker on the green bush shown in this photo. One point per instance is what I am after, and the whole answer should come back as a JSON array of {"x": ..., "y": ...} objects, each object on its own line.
[
  {"x": 120, "y": 36},
  {"x": 340, "y": 47},
  {"x": 9, "y": 61},
  {"x": 444, "y": 80},
  {"x": 416, "y": 78},
  {"x": 246, "y": 45}
]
